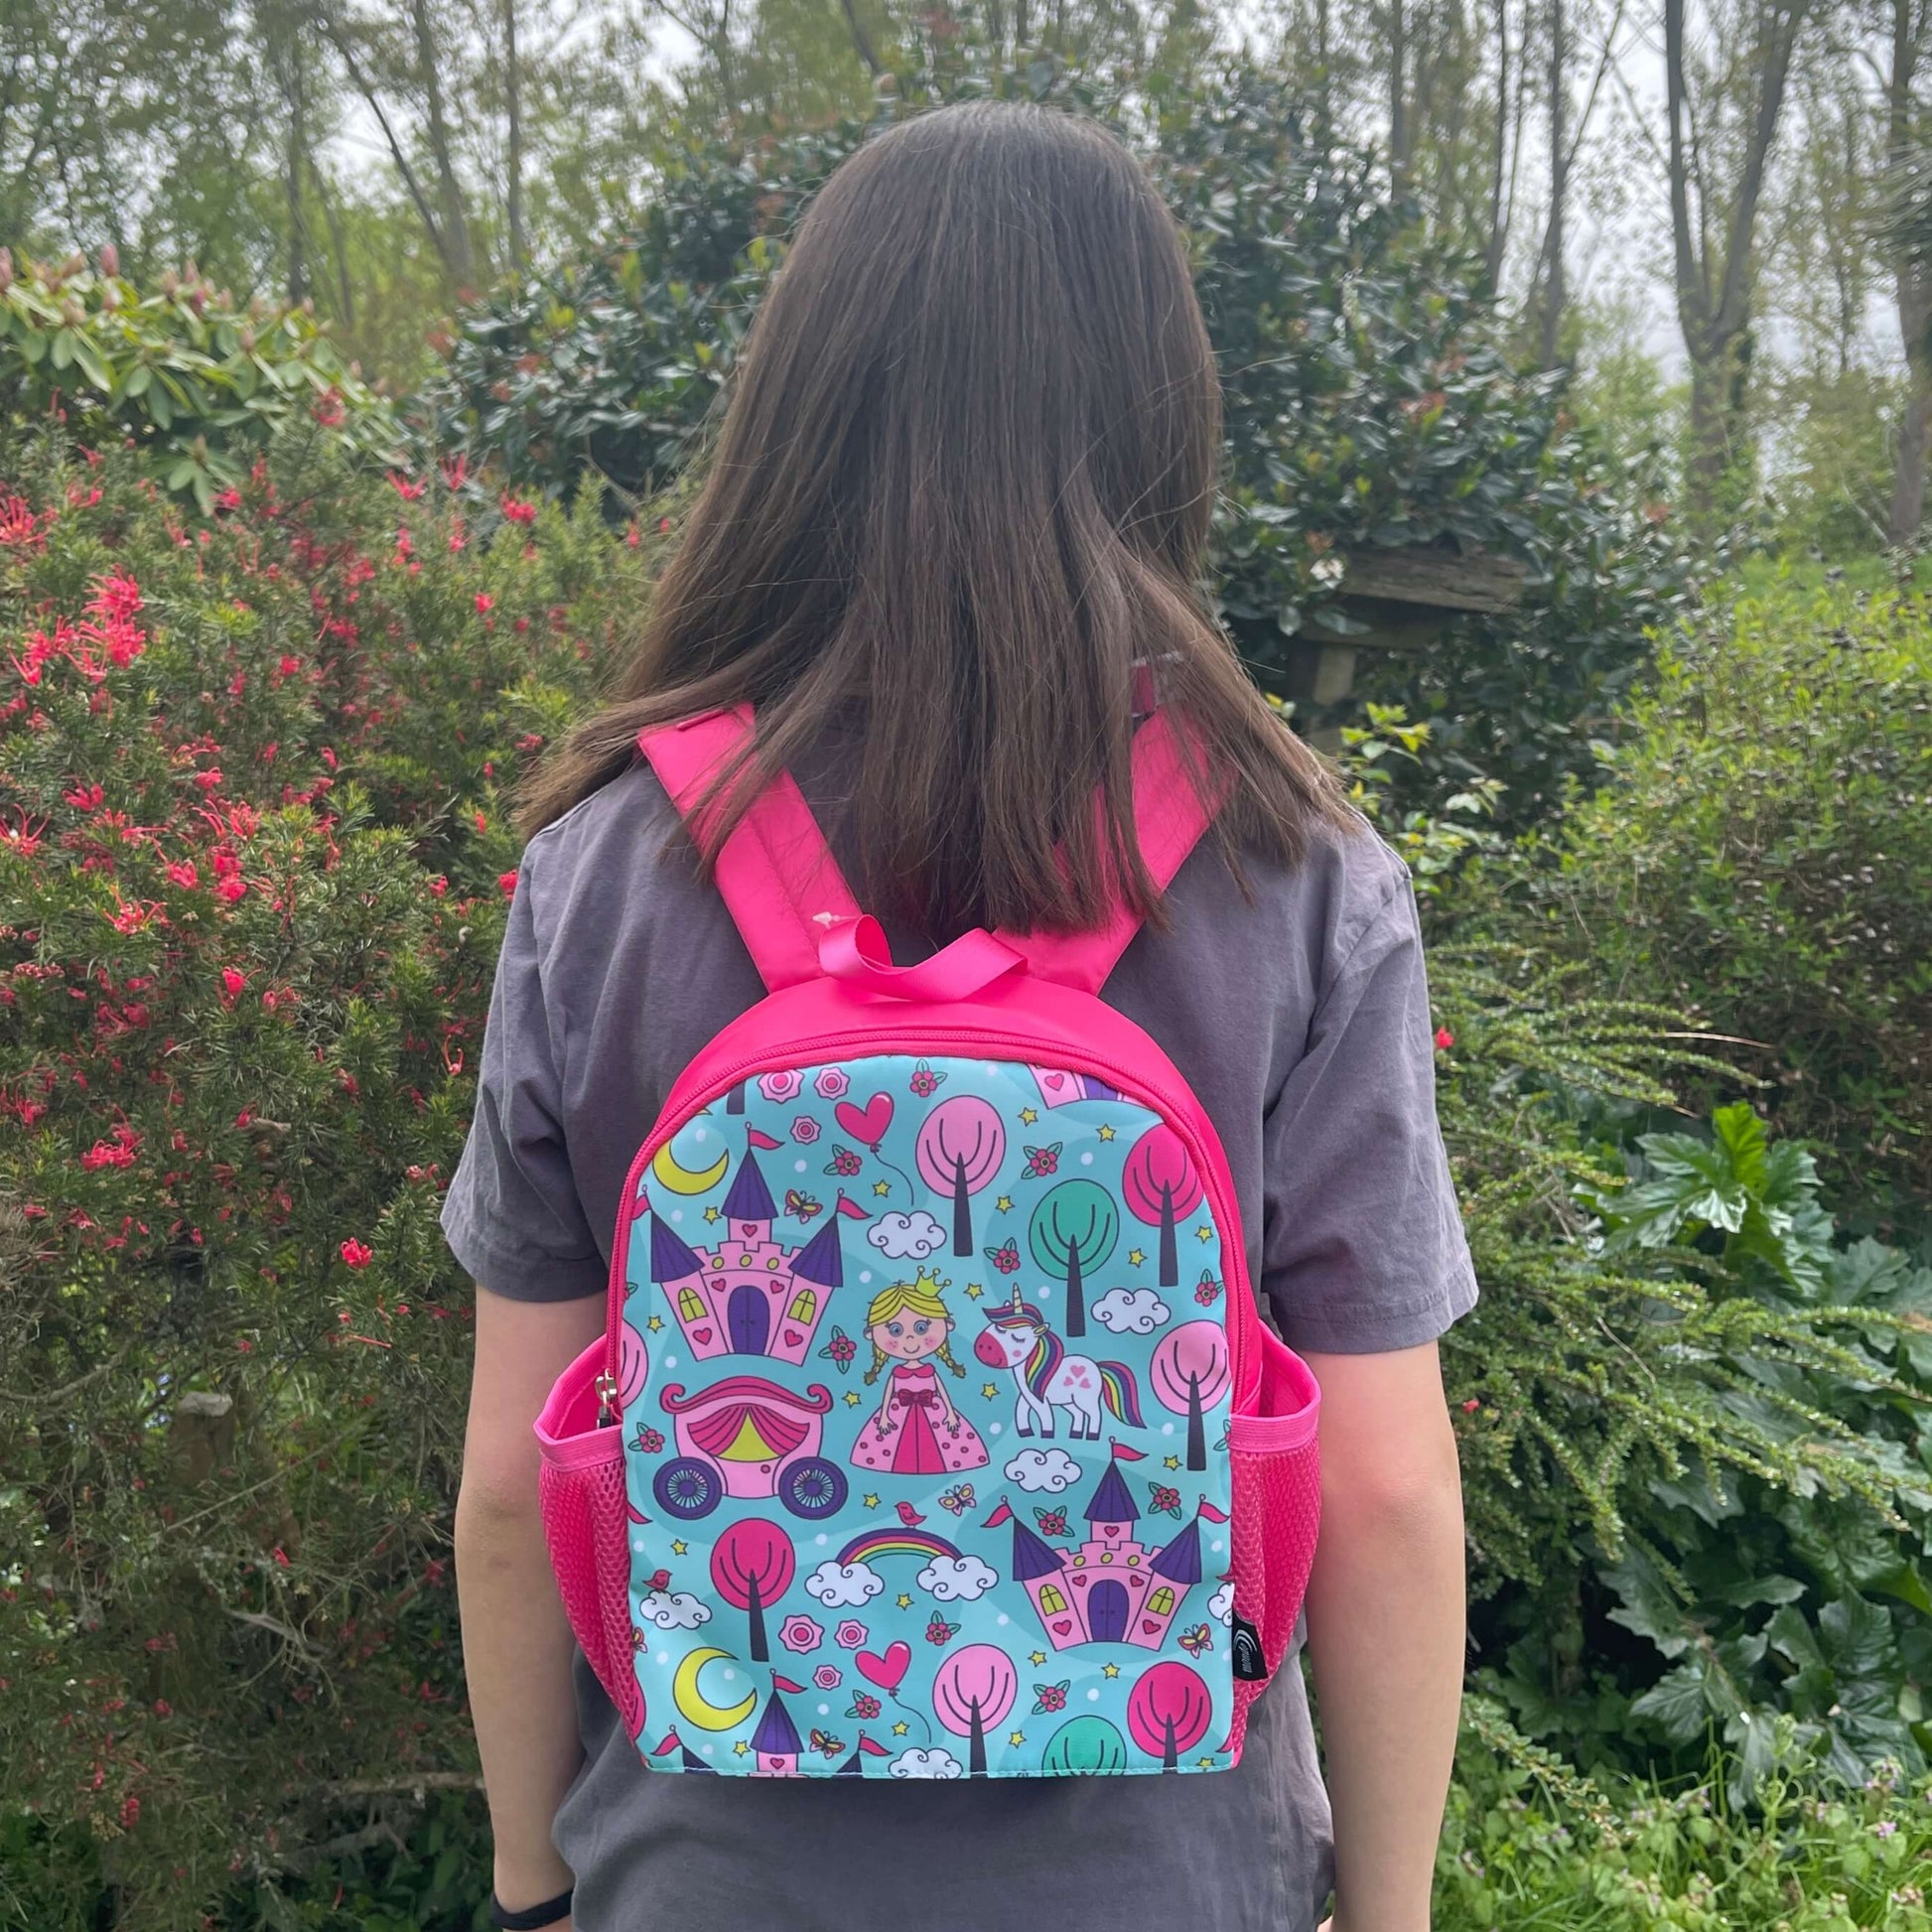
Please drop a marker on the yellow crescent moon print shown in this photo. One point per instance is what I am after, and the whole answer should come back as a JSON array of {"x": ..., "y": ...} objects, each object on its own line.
[
  {"x": 686, "y": 1180},
  {"x": 690, "y": 1699}
]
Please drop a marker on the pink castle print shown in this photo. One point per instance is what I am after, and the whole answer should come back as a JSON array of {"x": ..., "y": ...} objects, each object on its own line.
[
  {"x": 1109, "y": 1589},
  {"x": 749, "y": 1293}
]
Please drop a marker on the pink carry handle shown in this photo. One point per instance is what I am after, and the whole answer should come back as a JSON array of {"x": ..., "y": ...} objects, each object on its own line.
[{"x": 857, "y": 954}]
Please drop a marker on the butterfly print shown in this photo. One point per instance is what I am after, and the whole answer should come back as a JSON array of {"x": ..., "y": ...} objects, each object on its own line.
[
  {"x": 803, "y": 1205},
  {"x": 1043, "y": 1161},
  {"x": 958, "y": 1499},
  {"x": 1195, "y": 1642},
  {"x": 823, "y": 1740},
  {"x": 1006, "y": 1258}
]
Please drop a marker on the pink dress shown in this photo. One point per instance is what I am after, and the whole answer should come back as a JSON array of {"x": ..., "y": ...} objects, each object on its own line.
[{"x": 920, "y": 1438}]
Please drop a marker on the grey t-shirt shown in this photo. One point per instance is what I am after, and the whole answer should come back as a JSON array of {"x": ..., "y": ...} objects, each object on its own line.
[{"x": 1300, "y": 1016}]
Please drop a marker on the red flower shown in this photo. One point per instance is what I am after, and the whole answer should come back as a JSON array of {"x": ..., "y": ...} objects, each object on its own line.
[
  {"x": 516, "y": 511},
  {"x": 356, "y": 1253},
  {"x": 485, "y": 603},
  {"x": 232, "y": 888},
  {"x": 507, "y": 880},
  {"x": 1445, "y": 1040},
  {"x": 182, "y": 872},
  {"x": 232, "y": 981},
  {"x": 403, "y": 487}
]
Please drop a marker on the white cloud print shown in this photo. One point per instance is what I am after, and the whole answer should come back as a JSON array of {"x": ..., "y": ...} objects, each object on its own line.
[
  {"x": 844, "y": 1586},
  {"x": 906, "y": 1237},
  {"x": 1043, "y": 1469},
  {"x": 957, "y": 1579},
  {"x": 1222, "y": 1604},
  {"x": 924, "y": 1764},
  {"x": 1130, "y": 1311},
  {"x": 680, "y": 1612}
]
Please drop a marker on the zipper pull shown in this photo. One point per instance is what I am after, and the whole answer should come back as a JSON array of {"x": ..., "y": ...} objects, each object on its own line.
[{"x": 607, "y": 1400}]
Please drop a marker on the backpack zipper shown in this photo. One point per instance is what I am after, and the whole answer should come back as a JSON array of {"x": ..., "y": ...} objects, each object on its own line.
[{"x": 830, "y": 1045}]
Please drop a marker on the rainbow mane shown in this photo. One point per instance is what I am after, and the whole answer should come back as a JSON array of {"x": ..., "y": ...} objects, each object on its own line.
[
  {"x": 1047, "y": 1355},
  {"x": 869, "y": 1544}
]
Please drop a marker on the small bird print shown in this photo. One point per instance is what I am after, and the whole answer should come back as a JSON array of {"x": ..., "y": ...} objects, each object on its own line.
[{"x": 910, "y": 1516}]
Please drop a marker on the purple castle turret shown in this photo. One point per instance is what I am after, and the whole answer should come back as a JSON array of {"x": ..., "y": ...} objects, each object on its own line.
[
  {"x": 1108, "y": 1589},
  {"x": 775, "y": 1741},
  {"x": 748, "y": 1293}
]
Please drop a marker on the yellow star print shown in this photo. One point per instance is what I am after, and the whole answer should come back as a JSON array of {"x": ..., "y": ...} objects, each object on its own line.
[
  {"x": 1109, "y": 1670},
  {"x": 679, "y": 1548},
  {"x": 1203, "y": 1233},
  {"x": 974, "y": 1291},
  {"x": 851, "y": 1398},
  {"x": 1004, "y": 1203},
  {"x": 882, "y": 1189},
  {"x": 904, "y": 1601},
  {"x": 899, "y": 1730},
  {"x": 1135, "y": 1257},
  {"x": 989, "y": 1390},
  {"x": 711, "y": 1214},
  {"x": 869, "y": 1500},
  {"x": 1027, "y": 1115},
  {"x": 1037, "y": 1658},
  {"x": 654, "y": 1324},
  {"x": 1106, "y": 1133},
  {"x": 1207, "y": 1764},
  {"x": 740, "y": 1748},
  {"x": 1016, "y": 1738}
]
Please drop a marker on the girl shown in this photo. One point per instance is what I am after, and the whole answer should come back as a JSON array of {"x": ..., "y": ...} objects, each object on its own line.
[
  {"x": 917, "y": 1431},
  {"x": 950, "y": 542}
]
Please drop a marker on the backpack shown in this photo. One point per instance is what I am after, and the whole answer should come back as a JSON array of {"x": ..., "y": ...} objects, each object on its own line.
[{"x": 934, "y": 1432}]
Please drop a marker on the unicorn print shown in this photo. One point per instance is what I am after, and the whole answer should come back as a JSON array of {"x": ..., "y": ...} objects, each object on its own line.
[{"x": 1046, "y": 1377}]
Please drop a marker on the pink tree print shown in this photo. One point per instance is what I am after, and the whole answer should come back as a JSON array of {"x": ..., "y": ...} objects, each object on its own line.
[
  {"x": 1168, "y": 1712},
  {"x": 751, "y": 1566},
  {"x": 960, "y": 1148},
  {"x": 1189, "y": 1373},
  {"x": 974, "y": 1688},
  {"x": 1161, "y": 1187}
]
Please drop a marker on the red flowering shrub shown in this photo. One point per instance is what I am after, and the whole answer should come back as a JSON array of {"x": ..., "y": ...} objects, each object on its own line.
[{"x": 254, "y": 855}]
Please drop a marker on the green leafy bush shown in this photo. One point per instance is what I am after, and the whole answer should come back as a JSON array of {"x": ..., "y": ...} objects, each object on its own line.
[
  {"x": 180, "y": 371},
  {"x": 254, "y": 851},
  {"x": 1757, "y": 855},
  {"x": 1370, "y": 402}
]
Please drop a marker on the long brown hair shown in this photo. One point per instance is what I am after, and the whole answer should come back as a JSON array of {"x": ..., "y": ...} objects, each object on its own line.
[{"x": 961, "y": 490}]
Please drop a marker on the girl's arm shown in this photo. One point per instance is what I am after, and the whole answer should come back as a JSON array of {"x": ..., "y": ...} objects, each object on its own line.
[
  {"x": 516, "y": 1645},
  {"x": 1386, "y": 1628}
]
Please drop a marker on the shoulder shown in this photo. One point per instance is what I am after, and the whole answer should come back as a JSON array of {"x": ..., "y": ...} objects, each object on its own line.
[{"x": 604, "y": 854}]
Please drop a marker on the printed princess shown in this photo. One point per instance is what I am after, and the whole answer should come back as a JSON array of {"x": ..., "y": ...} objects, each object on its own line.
[{"x": 917, "y": 1431}]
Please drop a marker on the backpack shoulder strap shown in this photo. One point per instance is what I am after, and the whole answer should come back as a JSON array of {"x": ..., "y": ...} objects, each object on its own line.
[
  {"x": 775, "y": 871},
  {"x": 1170, "y": 817}
]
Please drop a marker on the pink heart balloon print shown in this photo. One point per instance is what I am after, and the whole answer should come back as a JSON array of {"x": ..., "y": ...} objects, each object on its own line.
[
  {"x": 866, "y": 1125},
  {"x": 886, "y": 1671}
]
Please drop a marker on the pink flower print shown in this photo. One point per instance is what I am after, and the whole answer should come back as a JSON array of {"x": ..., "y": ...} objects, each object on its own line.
[
  {"x": 804, "y": 1130},
  {"x": 1052, "y": 1696},
  {"x": 844, "y": 1161},
  {"x": 828, "y": 1677},
  {"x": 833, "y": 1083},
  {"x": 850, "y": 1634},
  {"x": 802, "y": 1633},
  {"x": 650, "y": 1440},
  {"x": 924, "y": 1082},
  {"x": 782, "y": 1086},
  {"x": 863, "y": 1704}
]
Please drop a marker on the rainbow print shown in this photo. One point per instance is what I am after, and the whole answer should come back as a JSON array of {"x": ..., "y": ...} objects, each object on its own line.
[{"x": 870, "y": 1545}]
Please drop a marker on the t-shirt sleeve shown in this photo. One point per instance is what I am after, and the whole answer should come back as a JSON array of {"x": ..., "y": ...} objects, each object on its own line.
[
  {"x": 513, "y": 1217},
  {"x": 1362, "y": 1243}
]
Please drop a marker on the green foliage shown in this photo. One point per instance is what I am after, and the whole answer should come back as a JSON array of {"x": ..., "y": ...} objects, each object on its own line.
[
  {"x": 181, "y": 372},
  {"x": 1370, "y": 400},
  {"x": 1528, "y": 1844},
  {"x": 254, "y": 852},
  {"x": 1756, "y": 856}
]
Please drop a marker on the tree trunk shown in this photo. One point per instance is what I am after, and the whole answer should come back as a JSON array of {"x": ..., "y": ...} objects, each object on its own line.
[
  {"x": 976, "y": 1747},
  {"x": 755, "y": 1609},
  {"x": 1197, "y": 1432},
  {"x": 860, "y": 40},
  {"x": 1076, "y": 1300},
  {"x": 513, "y": 158},
  {"x": 1556, "y": 295},
  {"x": 962, "y": 1209},
  {"x": 298, "y": 143},
  {"x": 458, "y": 252},
  {"x": 1907, "y": 515},
  {"x": 1913, "y": 279},
  {"x": 1497, "y": 240},
  {"x": 1169, "y": 1256},
  {"x": 1398, "y": 89}
]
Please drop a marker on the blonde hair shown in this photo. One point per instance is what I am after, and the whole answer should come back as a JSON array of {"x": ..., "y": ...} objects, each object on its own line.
[{"x": 923, "y": 1297}]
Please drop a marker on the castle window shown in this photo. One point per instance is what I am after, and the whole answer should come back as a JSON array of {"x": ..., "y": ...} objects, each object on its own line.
[
  {"x": 690, "y": 1304},
  {"x": 1161, "y": 1602},
  {"x": 1051, "y": 1602},
  {"x": 773, "y": 1264},
  {"x": 804, "y": 1306}
]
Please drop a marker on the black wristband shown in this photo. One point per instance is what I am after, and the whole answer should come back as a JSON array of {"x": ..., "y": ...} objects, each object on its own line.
[{"x": 532, "y": 1918}]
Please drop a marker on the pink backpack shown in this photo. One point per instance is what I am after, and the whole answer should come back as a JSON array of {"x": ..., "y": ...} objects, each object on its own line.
[{"x": 934, "y": 1430}]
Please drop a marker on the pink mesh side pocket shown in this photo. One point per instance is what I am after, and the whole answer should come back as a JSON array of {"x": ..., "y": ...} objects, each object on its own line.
[
  {"x": 586, "y": 1524},
  {"x": 1276, "y": 1481}
]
